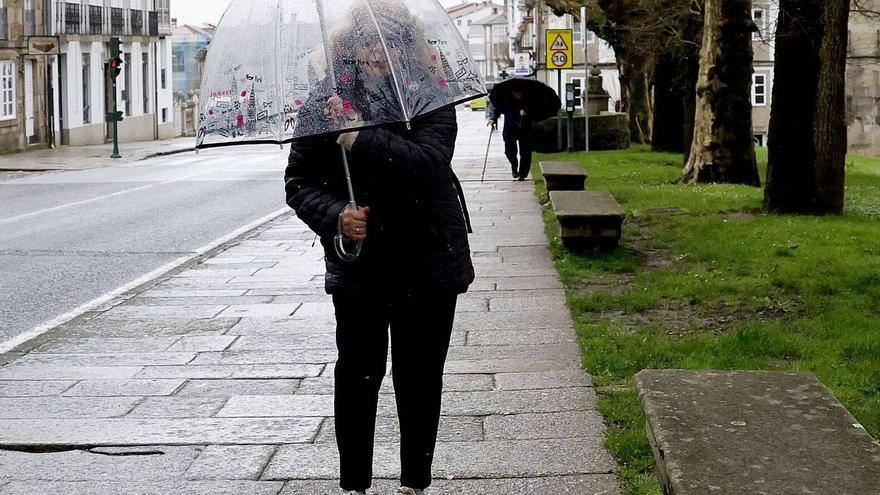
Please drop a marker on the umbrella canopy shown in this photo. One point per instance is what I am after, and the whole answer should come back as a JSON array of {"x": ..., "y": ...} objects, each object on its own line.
[
  {"x": 273, "y": 65},
  {"x": 540, "y": 101}
]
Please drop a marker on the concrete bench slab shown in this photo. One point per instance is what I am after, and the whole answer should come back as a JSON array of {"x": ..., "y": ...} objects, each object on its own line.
[
  {"x": 753, "y": 433},
  {"x": 588, "y": 219},
  {"x": 564, "y": 176}
]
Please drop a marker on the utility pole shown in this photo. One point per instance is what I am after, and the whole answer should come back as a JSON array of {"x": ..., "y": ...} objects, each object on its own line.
[
  {"x": 585, "y": 15},
  {"x": 115, "y": 116}
]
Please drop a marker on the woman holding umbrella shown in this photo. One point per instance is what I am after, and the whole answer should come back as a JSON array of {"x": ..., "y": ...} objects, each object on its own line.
[{"x": 415, "y": 257}]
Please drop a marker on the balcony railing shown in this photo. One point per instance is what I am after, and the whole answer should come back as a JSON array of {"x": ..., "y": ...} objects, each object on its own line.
[
  {"x": 137, "y": 23},
  {"x": 72, "y": 18},
  {"x": 4, "y": 24},
  {"x": 96, "y": 19}
]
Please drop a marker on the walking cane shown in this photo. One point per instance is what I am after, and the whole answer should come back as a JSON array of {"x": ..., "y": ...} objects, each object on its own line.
[{"x": 486, "y": 161}]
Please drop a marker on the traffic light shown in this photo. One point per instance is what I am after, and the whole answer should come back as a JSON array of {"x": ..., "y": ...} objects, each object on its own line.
[
  {"x": 115, "y": 57},
  {"x": 578, "y": 94}
]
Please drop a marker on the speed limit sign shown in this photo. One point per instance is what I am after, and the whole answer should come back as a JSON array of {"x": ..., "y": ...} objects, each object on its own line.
[{"x": 560, "y": 59}]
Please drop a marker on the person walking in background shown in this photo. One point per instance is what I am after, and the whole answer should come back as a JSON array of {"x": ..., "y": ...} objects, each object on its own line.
[
  {"x": 518, "y": 133},
  {"x": 415, "y": 257}
]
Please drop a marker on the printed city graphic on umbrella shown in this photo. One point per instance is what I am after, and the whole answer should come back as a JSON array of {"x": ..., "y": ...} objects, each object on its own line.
[{"x": 273, "y": 65}]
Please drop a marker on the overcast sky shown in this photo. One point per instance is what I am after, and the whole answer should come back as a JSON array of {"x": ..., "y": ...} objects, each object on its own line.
[{"x": 199, "y": 11}]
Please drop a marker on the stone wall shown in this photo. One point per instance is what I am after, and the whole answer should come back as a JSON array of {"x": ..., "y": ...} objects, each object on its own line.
[{"x": 609, "y": 131}]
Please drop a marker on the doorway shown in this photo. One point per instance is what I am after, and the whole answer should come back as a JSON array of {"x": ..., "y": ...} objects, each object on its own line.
[{"x": 29, "y": 117}]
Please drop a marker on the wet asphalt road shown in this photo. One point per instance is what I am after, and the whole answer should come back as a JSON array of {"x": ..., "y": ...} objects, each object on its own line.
[{"x": 67, "y": 238}]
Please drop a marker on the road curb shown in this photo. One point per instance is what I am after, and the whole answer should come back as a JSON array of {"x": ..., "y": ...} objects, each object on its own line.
[
  {"x": 17, "y": 346},
  {"x": 167, "y": 153}
]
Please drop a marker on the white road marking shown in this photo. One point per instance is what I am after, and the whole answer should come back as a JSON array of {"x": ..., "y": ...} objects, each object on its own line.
[
  {"x": 4, "y": 221},
  {"x": 55, "y": 322}
]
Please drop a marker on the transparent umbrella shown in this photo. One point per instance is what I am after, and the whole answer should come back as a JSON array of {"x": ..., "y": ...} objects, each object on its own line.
[{"x": 279, "y": 70}]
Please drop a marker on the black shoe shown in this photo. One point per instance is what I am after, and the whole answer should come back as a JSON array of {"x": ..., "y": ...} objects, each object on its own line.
[{"x": 515, "y": 175}]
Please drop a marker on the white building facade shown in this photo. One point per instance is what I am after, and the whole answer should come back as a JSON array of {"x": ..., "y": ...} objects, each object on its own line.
[{"x": 144, "y": 87}]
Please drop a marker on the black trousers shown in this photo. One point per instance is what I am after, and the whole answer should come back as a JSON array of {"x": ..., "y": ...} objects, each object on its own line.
[
  {"x": 421, "y": 327},
  {"x": 520, "y": 165}
]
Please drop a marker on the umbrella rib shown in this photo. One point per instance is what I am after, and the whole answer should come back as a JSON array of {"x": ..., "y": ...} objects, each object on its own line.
[{"x": 397, "y": 85}]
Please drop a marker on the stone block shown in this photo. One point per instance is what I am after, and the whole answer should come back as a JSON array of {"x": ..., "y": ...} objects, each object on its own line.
[
  {"x": 754, "y": 432},
  {"x": 288, "y": 356},
  {"x": 563, "y": 176},
  {"x": 588, "y": 218}
]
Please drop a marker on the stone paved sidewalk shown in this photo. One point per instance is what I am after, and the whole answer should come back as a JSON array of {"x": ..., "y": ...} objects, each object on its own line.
[
  {"x": 88, "y": 157},
  {"x": 217, "y": 379}
]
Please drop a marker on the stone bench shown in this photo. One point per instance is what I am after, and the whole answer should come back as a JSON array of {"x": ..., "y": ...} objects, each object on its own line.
[
  {"x": 746, "y": 432},
  {"x": 563, "y": 176},
  {"x": 588, "y": 219}
]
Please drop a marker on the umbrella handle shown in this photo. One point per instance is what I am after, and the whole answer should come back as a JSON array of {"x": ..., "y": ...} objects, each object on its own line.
[
  {"x": 340, "y": 241},
  {"x": 343, "y": 253}
]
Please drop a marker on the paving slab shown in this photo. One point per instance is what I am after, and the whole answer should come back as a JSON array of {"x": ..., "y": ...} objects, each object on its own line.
[
  {"x": 158, "y": 431},
  {"x": 178, "y": 407},
  {"x": 531, "y": 426},
  {"x": 231, "y": 371},
  {"x": 65, "y": 407},
  {"x": 230, "y": 462},
  {"x": 521, "y": 337},
  {"x": 286, "y": 356},
  {"x": 228, "y": 388},
  {"x": 137, "y": 463},
  {"x": 203, "y": 343},
  {"x": 452, "y": 429},
  {"x": 123, "y": 388},
  {"x": 106, "y": 359},
  {"x": 111, "y": 327},
  {"x": 84, "y": 345},
  {"x": 140, "y": 488},
  {"x": 488, "y": 459},
  {"x": 35, "y": 388}
]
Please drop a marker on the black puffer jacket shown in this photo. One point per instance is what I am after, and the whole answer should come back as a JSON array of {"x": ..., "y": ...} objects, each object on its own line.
[{"x": 416, "y": 230}]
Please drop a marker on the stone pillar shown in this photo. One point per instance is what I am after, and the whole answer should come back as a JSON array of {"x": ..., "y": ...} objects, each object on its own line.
[{"x": 597, "y": 97}]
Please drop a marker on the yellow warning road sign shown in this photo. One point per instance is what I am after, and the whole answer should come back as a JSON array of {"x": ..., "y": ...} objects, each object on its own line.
[{"x": 559, "y": 49}]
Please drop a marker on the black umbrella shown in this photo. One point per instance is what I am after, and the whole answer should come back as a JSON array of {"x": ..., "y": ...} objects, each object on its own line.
[{"x": 539, "y": 100}]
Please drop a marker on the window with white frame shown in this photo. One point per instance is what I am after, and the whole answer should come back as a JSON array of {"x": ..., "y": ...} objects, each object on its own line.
[
  {"x": 577, "y": 29},
  {"x": 7, "y": 90},
  {"x": 759, "y": 90},
  {"x": 760, "y": 21}
]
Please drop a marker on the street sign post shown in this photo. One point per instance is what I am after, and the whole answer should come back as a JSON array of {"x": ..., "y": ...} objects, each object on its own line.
[{"x": 559, "y": 56}]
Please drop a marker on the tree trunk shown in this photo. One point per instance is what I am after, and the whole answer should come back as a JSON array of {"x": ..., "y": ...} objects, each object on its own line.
[
  {"x": 723, "y": 149},
  {"x": 639, "y": 109},
  {"x": 669, "y": 116},
  {"x": 807, "y": 142}
]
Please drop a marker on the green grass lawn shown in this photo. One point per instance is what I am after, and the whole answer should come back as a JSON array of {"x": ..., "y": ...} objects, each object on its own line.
[{"x": 705, "y": 280}]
